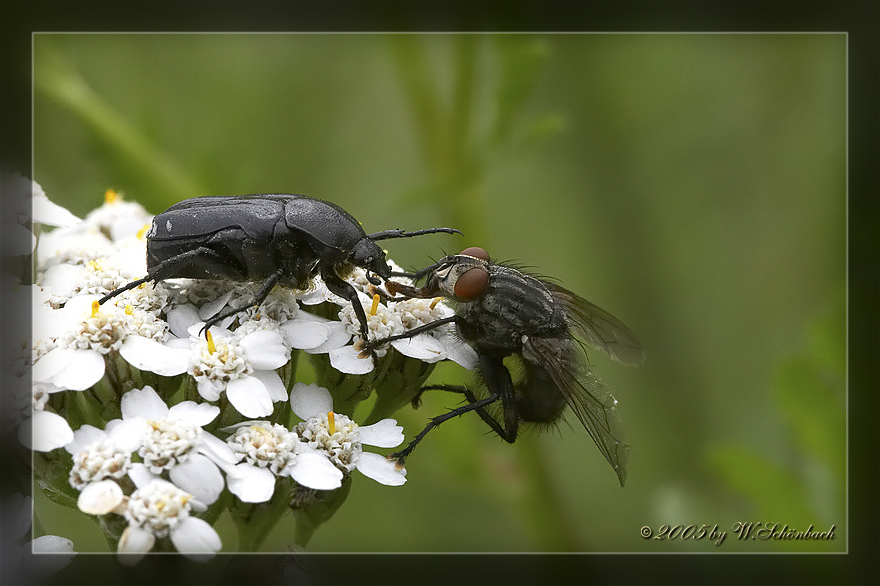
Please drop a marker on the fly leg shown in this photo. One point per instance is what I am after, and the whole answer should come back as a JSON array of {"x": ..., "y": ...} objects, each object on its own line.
[
  {"x": 500, "y": 386},
  {"x": 402, "y": 455},
  {"x": 371, "y": 346},
  {"x": 469, "y": 395}
]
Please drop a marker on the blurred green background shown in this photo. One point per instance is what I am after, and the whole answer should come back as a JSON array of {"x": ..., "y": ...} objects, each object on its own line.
[{"x": 692, "y": 185}]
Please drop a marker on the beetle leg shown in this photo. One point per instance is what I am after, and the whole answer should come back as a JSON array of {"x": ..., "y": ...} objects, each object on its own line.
[
  {"x": 160, "y": 272},
  {"x": 345, "y": 290},
  {"x": 164, "y": 270},
  {"x": 372, "y": 279},
  {"x": 124, "y": 288},
  {"x": 259, "y": 298},
  {"x": 168, "y": 268}
]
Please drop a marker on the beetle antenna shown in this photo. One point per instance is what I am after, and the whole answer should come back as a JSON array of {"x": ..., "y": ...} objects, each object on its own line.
[{"x": 400, "y": 233}]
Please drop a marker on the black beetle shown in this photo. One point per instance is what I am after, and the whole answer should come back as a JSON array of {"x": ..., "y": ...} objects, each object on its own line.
[
  {"x": 503, "y": 311},
  {"x": 274, "y": 238}
]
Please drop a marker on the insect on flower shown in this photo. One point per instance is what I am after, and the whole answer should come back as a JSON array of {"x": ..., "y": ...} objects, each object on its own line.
[
  {"x": 270, "y": 238},
  {"x": 504, "y": 312}
]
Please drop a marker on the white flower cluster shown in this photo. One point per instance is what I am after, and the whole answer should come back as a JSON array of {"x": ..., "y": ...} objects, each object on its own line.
[{"x": 157, "y": 385}]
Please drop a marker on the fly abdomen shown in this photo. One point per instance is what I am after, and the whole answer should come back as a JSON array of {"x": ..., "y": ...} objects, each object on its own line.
[{"x": 538, "y": 399}]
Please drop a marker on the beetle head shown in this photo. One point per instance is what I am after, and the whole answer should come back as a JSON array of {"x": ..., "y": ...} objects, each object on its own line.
[{"x": 370, "y": 256}]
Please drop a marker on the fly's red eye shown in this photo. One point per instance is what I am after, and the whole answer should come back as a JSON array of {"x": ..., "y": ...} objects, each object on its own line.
[
  {"x": 476, "y": 252},
  {"x": 471, "y": 284}
]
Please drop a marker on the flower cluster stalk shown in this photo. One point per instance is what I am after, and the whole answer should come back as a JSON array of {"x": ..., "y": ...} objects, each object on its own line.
[{"x": 156, "y": 426}]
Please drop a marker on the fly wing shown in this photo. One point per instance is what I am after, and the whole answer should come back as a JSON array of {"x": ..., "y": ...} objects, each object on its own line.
[
  {"x": 599, "y": 329},
  {"x": 585, "y": 394}
]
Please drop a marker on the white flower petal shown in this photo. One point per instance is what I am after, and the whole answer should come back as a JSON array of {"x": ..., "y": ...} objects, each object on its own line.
[
  {"x": 133, "y": 544},
  {"x": 179, "y": 343},
  {"x": 305, "y": 333},
  {"x": 127, "y": 434},
  {"x": 44, "y": 319},
  {"x": 199, "y": 414},
  {"x": 61, "y": 279},
  {"x": 207, "y": 389},
  {"x": 460, "y": 352},
  {"x": 315, "y": 471},
  {"x": 181, "y": 318},
  {"x": 265, "y": 350},
  {"x": 86, "y": 369},
  {"x": 147, "y": 354},
  {"x": 218, "y": 332},
  {"x": 212, "y": 308},
  {"x": 423, "y": 347},
  {"x": 273, "y": 384},
  {"x": 141, "y": 475},
  {"x": 249, "y": 396},
  {"x": 382, "y": 434},
  {"x": 196, "y": 536},
  {"x": 348, "y": 360},
  {"x": 381, "y": 470},
  {"x": 45, "y": 211},
  {"x": 52, "y": 363},
  {"x": 53, "y": 544},
  {"x": 310, "y": 400},
  {"x": 317, "y": 294},
  {"x": 39, "y": 566},
  {"x": 83, "y": 437},
  {"x": 45, "y": 431},
  {"x": 218, "y": 450},
  {"x": 78, "y": 308},
  {"x": 264, "y": 423},
  {"x": 339, "y": 337},
  {"x": 144, "y": 403},
  {"x": 200, "y": 477},
  {"x": 250, "y": 483},
  {"x": 99, "y": 498},
  {"x": 129, "y": 258}
]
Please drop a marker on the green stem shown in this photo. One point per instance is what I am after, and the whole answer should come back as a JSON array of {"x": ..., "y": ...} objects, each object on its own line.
[
  {"x": 85, "y": 408},
  {"x": 255, "y": 522},
  {"x": 103, "y": 390},
  {"x": 318, "y": 509},
  {"x": 176, "y": 394}
]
